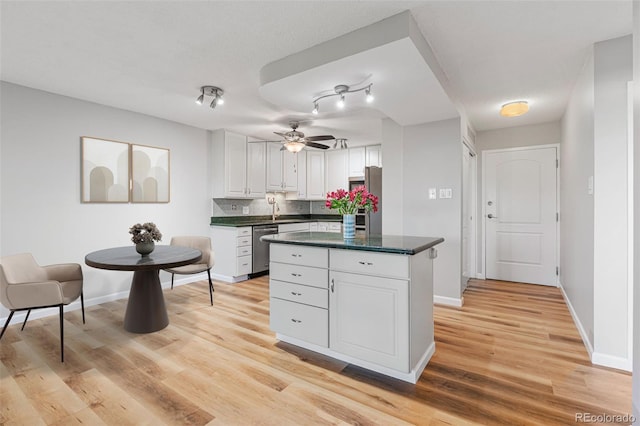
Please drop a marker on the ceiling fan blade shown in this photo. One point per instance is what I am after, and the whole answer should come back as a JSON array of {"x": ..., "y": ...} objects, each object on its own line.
[
  {"x": 316, "y": 145},
  {"x": 320, "y": 138},
  {"x": 280, "y": 134}
]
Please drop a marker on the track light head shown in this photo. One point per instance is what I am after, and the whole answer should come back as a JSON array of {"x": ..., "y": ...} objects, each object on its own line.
[
  {"x": 214, "y": 91},
  {"x": 315, "y": 108},
  {"x": 369, "y": 97},
  {"x": 340, "y": 103}
]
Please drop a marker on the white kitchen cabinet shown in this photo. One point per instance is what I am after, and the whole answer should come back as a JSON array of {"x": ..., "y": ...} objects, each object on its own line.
[
  {"x": 302, "y": 174},
  {"x": 293, "y": 227},
  {"x": 282, "y": 174},
  {"x": 237, "y": 167},
  {"x": 256, "y": 169},
  {"x": 315, "y": 175},
  {"x": 335, "y": 227},
  {"x": 356, "y": 162},
  {"x": 337, "y": 170},
  {"x": 374, "y": 156},
  {"x": 228, "y": 164},
  {"x": 233, "y": 249}
]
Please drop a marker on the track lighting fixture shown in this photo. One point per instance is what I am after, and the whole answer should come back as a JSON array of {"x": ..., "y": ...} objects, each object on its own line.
[
  {"x": 341, "y": 90},
  {"x": 342, "y": 142},
  {"x": 214, "y": 91}
]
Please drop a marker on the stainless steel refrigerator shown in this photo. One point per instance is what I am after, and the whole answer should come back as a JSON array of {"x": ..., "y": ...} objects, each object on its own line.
[{"x": 373, "y": 183}]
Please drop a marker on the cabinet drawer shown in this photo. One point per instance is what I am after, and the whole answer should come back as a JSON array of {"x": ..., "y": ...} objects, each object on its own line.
[
  {"x": 300, "y": 255},
  {"x": 244, "y": 241},
  {"x": 306, "y": 275},
  {"x": 245, "y": 231},
  {"x": 243, "y": 251},
  {"x": 303, "y": 322},
  {"x": 293, "y": 227},
  {"x": 243, "y": 265},
  {"x": 313, "y": 296},
  {"x": 365, "y": 262}
]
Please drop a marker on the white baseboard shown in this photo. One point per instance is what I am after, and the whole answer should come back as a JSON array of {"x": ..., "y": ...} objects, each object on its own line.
[
  {"x": 576, "y": 321},
  {"x": 75, "y": 306},
  {"x": 448, "y": 301},
  {"x": 229, "y": 279},
  {"x": 611, "y": 361},
  {"x": 480, "y": 276}
]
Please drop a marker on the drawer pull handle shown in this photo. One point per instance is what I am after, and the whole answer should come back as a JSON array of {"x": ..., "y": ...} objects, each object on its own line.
[
  {"x": 295, "y": 320},
  {"x": 332, "y": 283},
  {"x": 366, "y": 263},
  {"x": 296, "y": 275},
  {"x": 296, "y": 294},
  {"x": 296, "y": 255}
]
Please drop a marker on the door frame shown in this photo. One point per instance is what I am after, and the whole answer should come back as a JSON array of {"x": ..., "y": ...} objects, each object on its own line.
[
  {"x": 473, "y": 209},
  {"x": 483, "y": 253}
]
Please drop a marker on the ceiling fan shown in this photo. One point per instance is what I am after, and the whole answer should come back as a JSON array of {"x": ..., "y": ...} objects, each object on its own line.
[{"x": 294, "y": 140}]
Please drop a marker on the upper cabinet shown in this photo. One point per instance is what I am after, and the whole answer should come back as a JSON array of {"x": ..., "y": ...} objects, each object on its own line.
[
  {"x": 356, "y": 162},
  {"x": 230, "y": 175},
  {"x": 282, "y": 169},
  {"x": 315, "y": 175},
  {"x": 374, "y": 156},
  {"x": 302, "y": 174},
  {"x": 337, "y": 170}
]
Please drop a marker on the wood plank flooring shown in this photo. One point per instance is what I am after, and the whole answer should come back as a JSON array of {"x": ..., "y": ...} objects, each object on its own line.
[{"x": 511, "y": 355}]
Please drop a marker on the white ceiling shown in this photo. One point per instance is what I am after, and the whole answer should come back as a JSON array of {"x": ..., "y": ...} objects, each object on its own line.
[{"x": 152, "y": 57}]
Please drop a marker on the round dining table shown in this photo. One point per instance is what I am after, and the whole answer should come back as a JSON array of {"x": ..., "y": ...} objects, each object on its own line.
[{"x": 146, "y": 311}]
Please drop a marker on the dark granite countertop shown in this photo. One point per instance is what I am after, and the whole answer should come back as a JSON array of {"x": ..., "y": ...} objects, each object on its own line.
[
  {"x": 237, "y": 221},
  {"x": 399, "y": 244}
]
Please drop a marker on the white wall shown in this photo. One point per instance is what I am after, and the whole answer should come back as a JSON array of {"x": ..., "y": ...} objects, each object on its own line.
[
  {"x": 40, "y": 208},
  {"x": 576, "y": 205},
  {"x": 636, "y": 188},
  {"x": 392, "y": 179},
  {"x": 511, "y": 137},
  {"x": 613, "y": 68},
  {"x": 433, "y": 159}
]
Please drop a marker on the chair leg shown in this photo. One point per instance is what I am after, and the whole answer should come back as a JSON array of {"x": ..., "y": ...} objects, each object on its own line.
[
  {"x": 25, "y": 319},
  {"x": 172, "y": 281},
  {"x": 6, "y": 323},
  {"x": 82, "y": 304},
  {"x": 211, "y": 289},
  {"x": 61, "y": 334}
]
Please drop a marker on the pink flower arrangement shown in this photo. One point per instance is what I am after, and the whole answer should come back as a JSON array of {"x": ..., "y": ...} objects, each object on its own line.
[{"x": 349, "y": 202}]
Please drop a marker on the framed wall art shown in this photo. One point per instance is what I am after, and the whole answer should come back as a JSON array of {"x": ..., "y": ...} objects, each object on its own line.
[
  {"x": 105, "y": 171},
  {"x": 150, "y": 174}
]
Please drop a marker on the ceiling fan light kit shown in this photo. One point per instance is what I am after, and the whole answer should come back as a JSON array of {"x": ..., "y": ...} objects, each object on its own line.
[
  {"x": 341, "y": 90},
  {"x": 294, "y": 140},
  {"x": 216, "y": 92},
  {"x": 514, "y": 109}
]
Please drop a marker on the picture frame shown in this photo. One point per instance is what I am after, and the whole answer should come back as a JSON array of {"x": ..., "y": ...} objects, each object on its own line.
[
  {"x": 105, "y": 171},
  {"x": 150, "y": 174}
]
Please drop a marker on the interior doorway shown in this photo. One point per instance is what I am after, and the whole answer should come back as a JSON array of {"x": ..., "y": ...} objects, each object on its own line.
[{"x": 469, "y": 209}]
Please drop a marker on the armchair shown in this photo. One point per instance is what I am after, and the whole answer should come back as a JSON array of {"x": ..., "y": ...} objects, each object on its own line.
[{"x": 25, "y": 285}]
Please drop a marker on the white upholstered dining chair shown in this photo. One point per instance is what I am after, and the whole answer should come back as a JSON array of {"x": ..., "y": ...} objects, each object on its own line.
[
  {"x": 205, "y": 264},
  {"x": 25, "y": 285}
]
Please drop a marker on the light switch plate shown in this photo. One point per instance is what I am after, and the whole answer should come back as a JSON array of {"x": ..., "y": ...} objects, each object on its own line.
[
  {"x": 245, "y": 210},
  {"x": 590, "y": 185},
  {"x": 443, "y": 193},
  {"x": 448, "y": 193},
  {"x": 432, "y": 194}
]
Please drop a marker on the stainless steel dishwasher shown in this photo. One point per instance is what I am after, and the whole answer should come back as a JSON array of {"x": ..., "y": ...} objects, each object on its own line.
[{"x": 261, "y": 248}]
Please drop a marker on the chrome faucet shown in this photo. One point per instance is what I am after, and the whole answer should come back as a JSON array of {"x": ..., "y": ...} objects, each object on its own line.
[{"x": 274, "y": 208}]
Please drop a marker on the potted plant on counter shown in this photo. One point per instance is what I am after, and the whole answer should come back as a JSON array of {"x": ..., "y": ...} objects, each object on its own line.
[{"x": 348, "y": 203}]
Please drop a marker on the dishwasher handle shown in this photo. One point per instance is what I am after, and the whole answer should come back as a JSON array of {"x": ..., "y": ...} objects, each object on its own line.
[{"x": 266, "y": 230}]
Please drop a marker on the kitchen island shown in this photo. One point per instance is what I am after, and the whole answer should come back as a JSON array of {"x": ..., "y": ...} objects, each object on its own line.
[{"x": 366, "y": 301}]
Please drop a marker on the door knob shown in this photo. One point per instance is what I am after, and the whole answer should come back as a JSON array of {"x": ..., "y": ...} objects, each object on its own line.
[{"x": 490, "y": 216}]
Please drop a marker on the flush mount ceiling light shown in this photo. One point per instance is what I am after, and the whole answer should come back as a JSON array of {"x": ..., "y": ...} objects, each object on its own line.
[
  {"x": 340, "y": 90},
  {"x": 214, "y": 91},
  {"x": 514, "y": 109}
]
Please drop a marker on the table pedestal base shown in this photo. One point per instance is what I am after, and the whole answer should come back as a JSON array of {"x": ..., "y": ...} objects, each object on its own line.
[{"x": 146, "y": 311}]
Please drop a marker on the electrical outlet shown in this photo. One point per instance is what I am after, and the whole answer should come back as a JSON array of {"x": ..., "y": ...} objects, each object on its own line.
[
  {"x": 448, "y": 193},
  {"x": 234, "y": 207},
  {"x": 245, "y": 210}
]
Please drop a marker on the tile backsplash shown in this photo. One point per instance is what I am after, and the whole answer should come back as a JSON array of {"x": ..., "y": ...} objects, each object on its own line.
[{"x": 260, "y": 207}]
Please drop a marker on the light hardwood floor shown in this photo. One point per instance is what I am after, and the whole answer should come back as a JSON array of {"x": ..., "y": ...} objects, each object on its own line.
[{"x": 511, "y": 355}]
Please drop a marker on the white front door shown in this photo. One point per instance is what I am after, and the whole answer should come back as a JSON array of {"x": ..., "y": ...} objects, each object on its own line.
[{"x": 520, "y": 215}]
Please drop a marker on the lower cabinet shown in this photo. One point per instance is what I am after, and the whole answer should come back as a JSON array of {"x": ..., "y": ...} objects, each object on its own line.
[
  {"x": 369, "y": 318},
  {"x": 367, "y": 308},
  {"x": 233, "y": 252}
]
